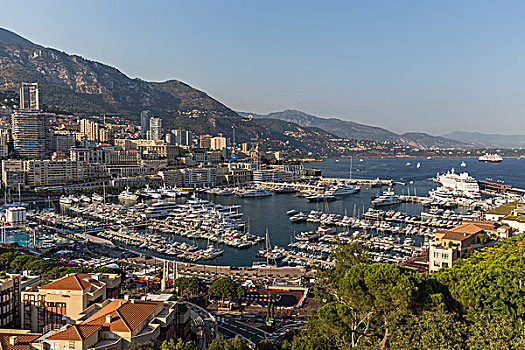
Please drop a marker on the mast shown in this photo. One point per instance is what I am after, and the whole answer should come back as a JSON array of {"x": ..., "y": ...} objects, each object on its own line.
[
  {"x": 351, "y": 162},
  {"x": 267, "y": 248}
]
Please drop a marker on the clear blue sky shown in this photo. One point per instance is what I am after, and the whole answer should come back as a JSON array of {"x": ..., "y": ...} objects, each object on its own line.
[{"x": 422, "y": 65}]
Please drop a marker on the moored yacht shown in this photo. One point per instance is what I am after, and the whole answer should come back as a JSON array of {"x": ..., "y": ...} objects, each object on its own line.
[
  {"x": 387, "y": 198},
  {"x": 127, "y": 195},
  {"x": 65, "y": 200},
  {"x": 259, "y": 192},
  {"x": 97, "y": 197},
  {"x": 343, "y": 190},
  {"x": 159, "y": 209}
]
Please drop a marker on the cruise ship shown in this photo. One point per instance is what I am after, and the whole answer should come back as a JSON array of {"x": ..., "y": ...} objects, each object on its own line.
[
  {"x": 489, "y": 157},
  {"x": 159, "y": 209},
  {"x": 458, "y": 182}
]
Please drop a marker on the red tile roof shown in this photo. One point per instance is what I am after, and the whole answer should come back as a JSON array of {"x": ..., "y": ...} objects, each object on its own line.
[
  {"x": 22, "y": 341},
  {"x": 75, "y": 332},
  {"x": 76, "y": 281},
  {"x": 126, "y": 315}
]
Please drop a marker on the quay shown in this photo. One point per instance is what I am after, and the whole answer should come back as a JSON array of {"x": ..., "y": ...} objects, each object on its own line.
[
  {"x": 225, "y": 271},
  {"x": 362, "y": 182},
  {"x": 323, "y": 180},
  {"x": 144, "y": 240}
]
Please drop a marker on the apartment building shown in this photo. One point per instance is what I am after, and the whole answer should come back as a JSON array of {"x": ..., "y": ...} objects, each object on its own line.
[
  {"x": 272, "y": 175},
  {"x": 66, "y": 300},
  {"x": 13, "y": 174},
  {"x": 119, "y": 323},
  {"x": 52, "y": 172},
  {"x": 5, "y": 135},
  {"x": 155, "y": 128},
  {"x": 450, "y": 245},
  {"x": 10, "y": 316},
  {"x": 199, "y": 177},
  {"x": 218, "y": 142}
]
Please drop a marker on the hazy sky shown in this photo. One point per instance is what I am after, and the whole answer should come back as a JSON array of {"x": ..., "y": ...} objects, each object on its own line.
[{"x": 433, "y": 66}]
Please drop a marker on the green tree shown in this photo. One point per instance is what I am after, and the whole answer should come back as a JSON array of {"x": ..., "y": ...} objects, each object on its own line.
[
  {"x": 269, "y": 344},
  {"x": 189, "y": 286},
  {"x": 428, "y": 330},
  {"x": 223, "y": 343},
  {"x": 179, "y": 345},
  {"x": 226, "y": 288},
  {"x": 6, "y": 259},
  {"x": 495, "y": 333},
  {"x": 491, "y": 281}
]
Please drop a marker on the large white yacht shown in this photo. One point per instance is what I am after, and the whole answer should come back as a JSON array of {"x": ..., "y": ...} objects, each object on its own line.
[
  {"x": 459, "y": 182},
  {"x": 387, "y": 198},
  {"x": 490, "y": 157},
  {"x": 343, "y": 190},
  {"x": 127, "y": 195},
  {"x": 159, "y": 209},
  {"x": 259, "y": 192}
]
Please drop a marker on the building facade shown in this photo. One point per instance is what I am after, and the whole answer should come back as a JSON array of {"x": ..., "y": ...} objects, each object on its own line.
[
  {"x": 66, "y": 300},
  {"x": 30, "y": 132},
  {"x": 10, "y": 301},
  {"x": 145, "y": 117},
  {"x": 155, "y": 128},
  {"x": 52, "y": 172}
]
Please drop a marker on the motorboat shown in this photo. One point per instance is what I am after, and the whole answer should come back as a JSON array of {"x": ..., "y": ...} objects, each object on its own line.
[
  {"x": 95, "y": 197},
  {"x": 387, "y": 198},
  {"x": 127, "y": 195},
  {"x": 259, "y": 192},
  {"x": 65, "y": 200},
  {"x": 321, "y": 198},
  {"x": 343, "y": 190}
]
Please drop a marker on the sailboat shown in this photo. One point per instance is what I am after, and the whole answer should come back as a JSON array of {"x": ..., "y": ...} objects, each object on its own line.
[{"x": 418, "y": 165}]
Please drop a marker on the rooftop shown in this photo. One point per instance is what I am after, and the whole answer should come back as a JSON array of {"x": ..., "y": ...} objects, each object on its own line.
[
  {"x": 504, "y": 209},
  {"x": 22, "y": 342},
  {"x": 76, "y": 281},
  {"x": 124, "y": 315},
  {"x": 75, "y": 332}
]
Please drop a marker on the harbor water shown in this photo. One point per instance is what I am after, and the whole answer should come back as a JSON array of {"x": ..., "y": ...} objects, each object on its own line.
[{"x": 269, "y": 213}]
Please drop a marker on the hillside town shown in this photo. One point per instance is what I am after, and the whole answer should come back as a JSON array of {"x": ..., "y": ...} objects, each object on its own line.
[{"x": 111, "y": 233}]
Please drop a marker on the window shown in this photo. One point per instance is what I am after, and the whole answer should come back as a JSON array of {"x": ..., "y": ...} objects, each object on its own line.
[
  {"x": 445, "y": 256},
  {"x": 436, "y": 255}
]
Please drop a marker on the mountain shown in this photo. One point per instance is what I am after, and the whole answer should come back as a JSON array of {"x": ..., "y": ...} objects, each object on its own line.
[
  {"x": 341, "y": 128},
  {"x": 353, "y": 130},
  {"x": 73, "y": 84},
  {"x": 489, "y": 140}
]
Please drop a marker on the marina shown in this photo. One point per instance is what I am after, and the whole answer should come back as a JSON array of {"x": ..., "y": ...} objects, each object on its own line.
[{"x": 217, "y": 225}]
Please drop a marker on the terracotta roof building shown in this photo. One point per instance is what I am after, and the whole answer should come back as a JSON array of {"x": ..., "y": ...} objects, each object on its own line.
[
  {"x": 66, "y": 299},
  {"x": 117, "y": 323},
  {"x": 450, "y": 245},
  {"x": 17, "y": 340}
]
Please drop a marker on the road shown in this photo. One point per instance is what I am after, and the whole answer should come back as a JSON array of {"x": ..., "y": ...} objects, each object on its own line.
[{"x": 230, "y": 327}]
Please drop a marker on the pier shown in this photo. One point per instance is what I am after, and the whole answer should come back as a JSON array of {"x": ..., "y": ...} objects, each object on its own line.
[{"x": 325, "y": 180}]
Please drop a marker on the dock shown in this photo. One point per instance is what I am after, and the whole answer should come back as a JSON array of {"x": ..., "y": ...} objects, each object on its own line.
[{"x": 325, "y": 180}]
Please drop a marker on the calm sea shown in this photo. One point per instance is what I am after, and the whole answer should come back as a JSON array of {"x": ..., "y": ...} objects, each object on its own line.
[{"x": 270, "y": 212}]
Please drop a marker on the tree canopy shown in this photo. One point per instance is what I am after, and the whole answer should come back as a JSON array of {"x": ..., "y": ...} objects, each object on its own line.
[
  {"x": 226, "y": 288},
  {"x": 479, "y": 303}
]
